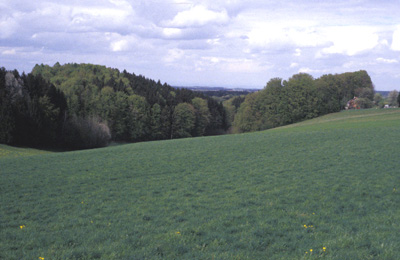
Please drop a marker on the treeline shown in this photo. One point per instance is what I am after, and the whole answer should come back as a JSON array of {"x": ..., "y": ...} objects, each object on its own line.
[
  {"x": 31, "y": 110},
  {"x": 77, "y": 106},
  {"x": 224, "y": 95},
  {"x": 300, "y": 97},
  {"x": 80, "y": 106}
]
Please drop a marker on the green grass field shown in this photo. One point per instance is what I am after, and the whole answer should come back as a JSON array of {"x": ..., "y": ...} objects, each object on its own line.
[
  {"x": 326, "y": 188},
  {"x": 8, "y": 151}
]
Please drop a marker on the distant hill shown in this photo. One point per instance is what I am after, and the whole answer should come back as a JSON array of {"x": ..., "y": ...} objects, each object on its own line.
[
  {"x": 384, "y": 94},
  {"x": 221, "y": 94},
  {"x": 218, "y": 89}
]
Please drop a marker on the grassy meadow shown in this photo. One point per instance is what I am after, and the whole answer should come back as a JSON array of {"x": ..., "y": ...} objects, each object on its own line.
[
  {"x": 9, "y": 151},
  {"x": 325, "y": 188}
]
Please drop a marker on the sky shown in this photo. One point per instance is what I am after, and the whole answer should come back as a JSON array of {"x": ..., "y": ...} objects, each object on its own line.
[{"x": 232, "y": 43}]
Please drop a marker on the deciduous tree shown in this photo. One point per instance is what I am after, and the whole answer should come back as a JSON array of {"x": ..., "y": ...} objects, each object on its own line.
[
  {"x": 393, "y": 97},
  {"x": 202, "y": 115},
  {"x": 184, "y": 119}
]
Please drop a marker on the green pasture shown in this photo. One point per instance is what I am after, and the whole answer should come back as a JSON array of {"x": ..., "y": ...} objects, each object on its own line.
[
  {"x": 9, "y": 151},
  {"x": 325, "y": 188}
]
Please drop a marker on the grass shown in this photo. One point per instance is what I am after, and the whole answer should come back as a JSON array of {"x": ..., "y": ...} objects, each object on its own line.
[
  {"x": 12, "y": 152},
  {"x": 329, "y": 182}
]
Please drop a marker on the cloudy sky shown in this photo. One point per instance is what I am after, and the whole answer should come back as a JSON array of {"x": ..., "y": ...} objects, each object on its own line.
[{"x": 228, "y": 43}]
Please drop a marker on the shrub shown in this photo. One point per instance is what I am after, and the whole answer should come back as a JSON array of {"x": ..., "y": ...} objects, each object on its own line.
[
  {"x": 364, "y": 103},
  {"x": 86, "y": 133}
]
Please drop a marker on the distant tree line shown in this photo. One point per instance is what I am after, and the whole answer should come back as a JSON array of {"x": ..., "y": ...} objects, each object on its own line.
[
  {"x": 393, "y": 99},
  {"x": 79, "y": 106},
  {"x": 301, "y": 97},
  {"x": 224, "y": 95}
]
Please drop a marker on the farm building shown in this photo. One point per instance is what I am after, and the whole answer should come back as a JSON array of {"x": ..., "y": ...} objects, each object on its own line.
[{"x": 352, "y": 104}]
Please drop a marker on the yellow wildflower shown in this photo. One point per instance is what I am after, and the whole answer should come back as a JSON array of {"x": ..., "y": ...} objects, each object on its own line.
[
  {"x": 324, "y": 248},
  {"x": 311, "y": 250},
  {"x": 21, "y": 227},
  {"x": 305, "y": 226},
  {"x": 178, "y": 232},
  {"x": 41, "y": 258}
]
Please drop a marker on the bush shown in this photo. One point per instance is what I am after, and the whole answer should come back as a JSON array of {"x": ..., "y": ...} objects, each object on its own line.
[
  {"x": 364, "y": 103},
  {"x": 393, "y": 98},
  {"x": 86, "y": 133},
  {"x": 378, "y": 100}
]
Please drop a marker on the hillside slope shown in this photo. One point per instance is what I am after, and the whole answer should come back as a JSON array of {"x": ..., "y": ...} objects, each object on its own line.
[
  {"x": 10, "y": 151},
  {"x": 327, "y": 187}
]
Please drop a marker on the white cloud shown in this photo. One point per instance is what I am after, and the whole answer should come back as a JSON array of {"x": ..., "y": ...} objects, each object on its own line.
[
  {"x": 121, "y": 3},
  {"x": 314, "y": 72},
  {"x": 98, "y": 18},
  {"x": 174, "y": 55},
  {"x": 396, "y": 40},
  {"x": 265, "y": 29},
  {"x": 358, "y": 64},
  {"x": 244, "y": 66},
  {"x": 214, "y": 41},
  {"x": 231, "y": 65},
  {"x": 387, "y": 60},
  {"x": 198, "y": 16},
  {"x": 384, "y": 42},
  {"x": 350, "y": 40},
  {"x": 214, "y": 59},
  {"x": 305, "y": 70},
  {"x": 306, "y": 33},
  {"x": 120, "y": 45},
  {"x": 172, "y": 32},
  {"x": 9, "y": 52},
  {"x": 8, "y": 27},
  {"x": 349, "y": 65},
  {"x": 305, "y": 37},
  {"x": 223, "y": 40},
  {"x": 276, "y": 34}
]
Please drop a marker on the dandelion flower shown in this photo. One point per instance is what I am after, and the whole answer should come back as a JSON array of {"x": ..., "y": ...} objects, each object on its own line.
[
  {"x": 311, "y": 250},
  {"x": 324, "y": 248},
  {"x": 305, "y": 226},
  {"x": 21, "y": 227},
  {"x": 178, "y": 232},
  {"x": 41, "y": 258}
]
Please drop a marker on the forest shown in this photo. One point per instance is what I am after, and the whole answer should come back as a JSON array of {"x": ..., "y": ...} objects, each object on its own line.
[
  {"x": 301, "y": 97},
  {"x": 79, "y": 106}
]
